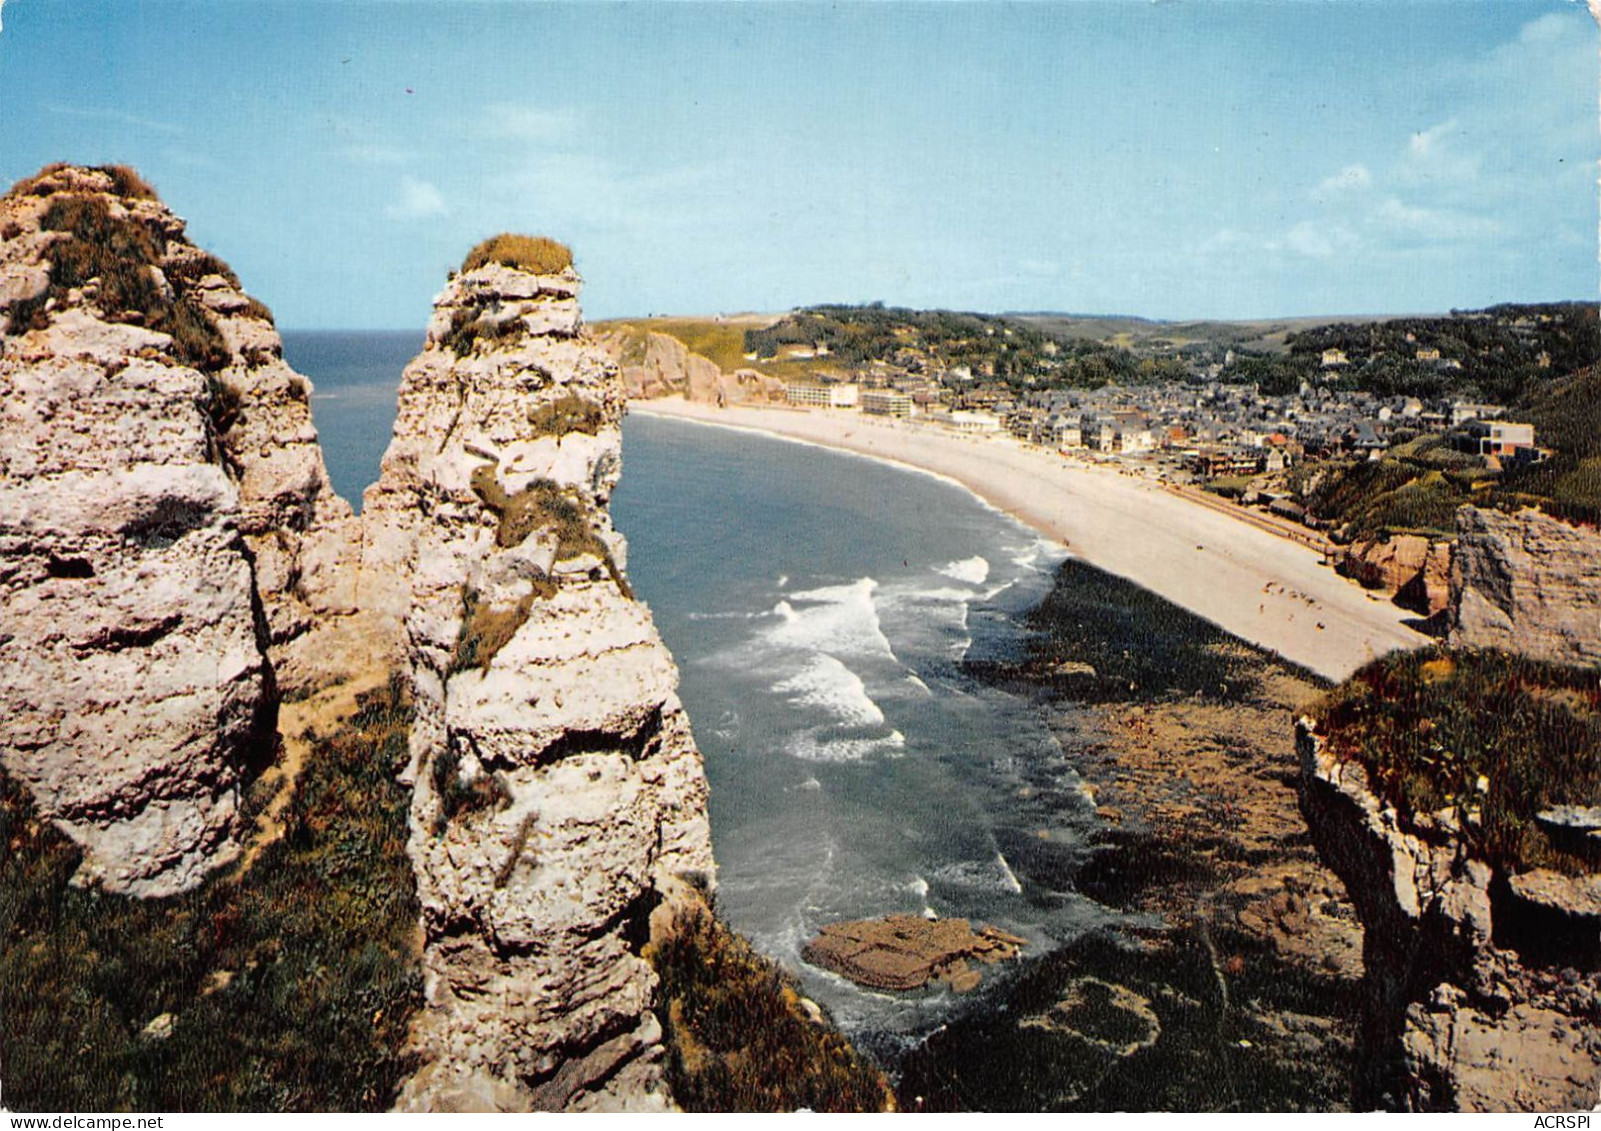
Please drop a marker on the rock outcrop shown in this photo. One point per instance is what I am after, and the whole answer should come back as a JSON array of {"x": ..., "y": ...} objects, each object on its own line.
[
  {"x": 1526, "y": 583},
  {"x": 136, "y": 693},
  {"x": 1415, "y": 570},
  {"x": 906, "y": 952},
  {"x": 1481, "y": 989},
  {"x": 653, "y": 364},
  {"x": 558, "y": 794}
]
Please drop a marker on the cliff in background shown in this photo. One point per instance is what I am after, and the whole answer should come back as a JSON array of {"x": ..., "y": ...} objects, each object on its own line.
[
  {"x": 1413, "y": 569},
  {"x": 654, "y": 364},
  {"x": 1526, "y": 583}
]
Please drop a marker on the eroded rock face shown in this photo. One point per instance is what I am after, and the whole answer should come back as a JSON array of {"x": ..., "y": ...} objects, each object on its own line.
[
  {"x": 1414, "y": 569},
  {"x": 558, "y": 794},
  {"x": 1481, "y": 991},
  {"x": 136, "y": 696},
  {"x": 659, "y": 365},
  {"x": 1526, "y": 583}
]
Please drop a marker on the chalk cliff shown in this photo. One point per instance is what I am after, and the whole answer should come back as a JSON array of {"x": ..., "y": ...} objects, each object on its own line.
[
  {"x": 136, "y": 692},
  {"x": 1481, "y": 989},
  {"x": 1527, "y": 583},
  {"x": 653, "y": 364},
  {"x": 558, "y": 794}
]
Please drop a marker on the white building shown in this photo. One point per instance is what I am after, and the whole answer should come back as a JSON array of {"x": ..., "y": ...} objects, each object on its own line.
[
  {"x": 962, "y": 420},
  {"x": 886, "y": 402},
  {"x": 822, "y": 396}
]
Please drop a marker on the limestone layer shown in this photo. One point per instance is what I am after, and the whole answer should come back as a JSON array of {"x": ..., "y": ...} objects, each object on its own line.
[
  {"x": 558, "y": 794},
  {"x": 136, "y": 693},
  {"x": 1528, "y": 583}
]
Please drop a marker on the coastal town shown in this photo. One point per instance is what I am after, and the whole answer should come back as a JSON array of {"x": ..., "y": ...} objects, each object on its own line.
[
  {"x": 1208, "y": 430},
  {"x": 1329, "y": 432}
]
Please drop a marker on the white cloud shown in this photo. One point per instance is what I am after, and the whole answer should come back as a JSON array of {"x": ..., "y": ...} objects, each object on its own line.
[
  {"x": 1226, "y": 240},
  {"x": 1427, "y": 142},
  {"x": 419, "y": 200},
  {"x": 1548, "y": 28},
  {"x": 518, "y": 122},
  {"x": 1431, "y": 225},
  {"x": 117, "y": 116},
  {"x": 1437, "y": 155},
  {"x": 1309, "y": 239}
]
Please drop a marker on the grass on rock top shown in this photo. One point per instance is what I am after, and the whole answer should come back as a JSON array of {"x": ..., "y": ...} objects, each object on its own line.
[
  {"x": 1492, "y": 737},
  {"x": 125, "y": 182},
  {"x": 537, "y": 254}
]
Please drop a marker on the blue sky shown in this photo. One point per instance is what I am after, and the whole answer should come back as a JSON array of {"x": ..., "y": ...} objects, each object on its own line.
[{"x": 1175, "y": 159}]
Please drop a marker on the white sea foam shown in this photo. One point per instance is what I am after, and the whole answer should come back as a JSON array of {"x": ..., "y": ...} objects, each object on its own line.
[
  {"x": 974, "y": 570},
  {"x": 1007, "y": 874},
  {"x": 828, "y": 685},
  {"x": 838, "y": 619},
  {"x": 987, "y": 875},
  {"x": 810, "y": 746}
]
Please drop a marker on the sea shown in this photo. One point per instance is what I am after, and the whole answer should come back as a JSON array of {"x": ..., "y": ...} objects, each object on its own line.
[{"x": 823, "y": 608}]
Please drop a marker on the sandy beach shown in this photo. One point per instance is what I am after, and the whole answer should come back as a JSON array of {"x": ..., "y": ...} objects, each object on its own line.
[{"x": 1257, "y": 586}]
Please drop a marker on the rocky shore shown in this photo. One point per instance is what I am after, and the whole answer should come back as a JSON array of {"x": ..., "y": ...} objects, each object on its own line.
[{"x": 1227, "y": 972}]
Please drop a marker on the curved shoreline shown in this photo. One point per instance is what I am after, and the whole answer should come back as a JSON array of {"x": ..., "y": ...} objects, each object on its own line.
[{"x": 1254, "y": 585}]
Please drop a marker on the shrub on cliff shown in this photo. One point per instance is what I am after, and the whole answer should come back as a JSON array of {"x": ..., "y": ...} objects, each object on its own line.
[
  {"x": 537, "y": 254},
  {"x": 1490, "y": 737},
  {"x": 737, "y": 1036},
  {"x": 125, "y": 182},
  {"x": 120, "y": 253},
  {"x": 289, "y": 987}
]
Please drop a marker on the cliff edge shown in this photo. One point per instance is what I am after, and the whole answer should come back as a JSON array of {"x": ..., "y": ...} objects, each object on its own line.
[
  {"x": 558, "y": 797},
  {"x": 1448, "y": 791}
]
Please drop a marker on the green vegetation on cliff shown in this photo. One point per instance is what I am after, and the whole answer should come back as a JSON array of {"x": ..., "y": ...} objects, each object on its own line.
[
  {"x": 1418, "y": 485},
  {"x": 1486, "y": 738},
  {"x": 538, "y": 254},
  {"x": 289, "y": 987},
  {"x": 738, "y": 1037},
  {"x": 119, "y": 253}
]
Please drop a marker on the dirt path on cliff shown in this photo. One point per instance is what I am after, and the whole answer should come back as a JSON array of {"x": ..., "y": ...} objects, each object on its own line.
[{"x": 299, "y": 722}]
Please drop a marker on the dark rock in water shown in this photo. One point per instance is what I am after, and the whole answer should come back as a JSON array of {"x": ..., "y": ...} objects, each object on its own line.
[{"x": 905, "y": 952}]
